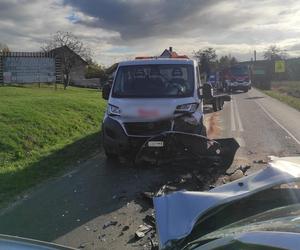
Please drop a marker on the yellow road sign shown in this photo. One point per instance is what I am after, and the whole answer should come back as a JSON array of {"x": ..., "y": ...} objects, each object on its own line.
[{"x": 279, "y": 66}]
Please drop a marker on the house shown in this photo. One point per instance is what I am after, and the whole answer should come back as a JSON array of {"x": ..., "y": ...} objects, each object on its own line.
[
  {"x": 78, "y": 68},
  {"x": 169, "y": 53}
]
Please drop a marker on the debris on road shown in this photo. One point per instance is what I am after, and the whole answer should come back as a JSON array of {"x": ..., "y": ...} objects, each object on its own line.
[
  {"x": 143, "y": 230},
  {"x": 109, "y": 223},
  {"x": 226, "y": 179},
  {"x": 166, "y": 189},
  {"x": 125, "y": 228},
  {"x": 154, "y": 244},
  {"x": 150, "y": 220},
  {"x": 237, "y": 175},
  {"x": 148, "y": 196},
  {"x": 244, "y": 168},
  {"x": 83, "y": 245},
  {"x": 260, "y": 162}
]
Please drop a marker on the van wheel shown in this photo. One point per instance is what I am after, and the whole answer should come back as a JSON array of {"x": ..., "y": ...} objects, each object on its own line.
[
  {"x": 215, "y": 105},
  {"x": 203, "y": 131},
  {"x": 220, "y": 104}
]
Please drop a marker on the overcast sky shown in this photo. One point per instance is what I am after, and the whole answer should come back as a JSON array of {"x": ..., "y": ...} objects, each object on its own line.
[{"x": 121, "y": 29}]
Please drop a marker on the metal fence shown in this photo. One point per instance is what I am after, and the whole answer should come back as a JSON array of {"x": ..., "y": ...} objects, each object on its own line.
[{"x": 29, "y": 67}]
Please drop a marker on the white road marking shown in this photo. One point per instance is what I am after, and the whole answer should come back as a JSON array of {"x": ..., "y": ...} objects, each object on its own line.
[
  {"x": 238, "y": 117},
  {"x": 233, "y": 127},
  {"x": 241, "y": 142},
  {"x": 278, "y": 123}
]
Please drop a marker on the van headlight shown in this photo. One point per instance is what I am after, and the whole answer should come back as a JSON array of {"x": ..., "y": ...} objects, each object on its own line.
[
  {"x": 190, "y": 107},
  {"x": 113, "y": 110}
]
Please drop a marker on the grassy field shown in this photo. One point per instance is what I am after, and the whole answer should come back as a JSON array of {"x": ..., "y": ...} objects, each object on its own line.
[
  {"x": 42, "y": 131},
  {"x": 287, "y": 92}
]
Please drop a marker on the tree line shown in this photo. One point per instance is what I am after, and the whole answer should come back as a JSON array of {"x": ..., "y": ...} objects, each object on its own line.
[
  {"x": 209, "y": 62},
  {"x": 207, "y": 58}
]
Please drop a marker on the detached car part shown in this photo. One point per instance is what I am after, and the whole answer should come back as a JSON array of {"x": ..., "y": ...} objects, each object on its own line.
[
  {"x": 173, "y": 146},
  {"x": 178, "y": 213}
]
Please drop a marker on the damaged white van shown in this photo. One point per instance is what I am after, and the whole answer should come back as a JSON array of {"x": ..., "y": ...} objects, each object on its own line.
[{"x": 147, "y": 98}]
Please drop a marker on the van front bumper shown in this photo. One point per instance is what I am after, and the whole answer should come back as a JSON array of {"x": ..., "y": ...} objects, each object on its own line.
[
  {"x": 127, "y": 139},
  {"x": 116, "y": 141}
]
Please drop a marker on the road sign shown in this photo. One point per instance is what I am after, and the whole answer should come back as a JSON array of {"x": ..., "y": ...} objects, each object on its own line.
[
  {"x": 279, "y": 66},
  {"x": 259, "y": 72}
]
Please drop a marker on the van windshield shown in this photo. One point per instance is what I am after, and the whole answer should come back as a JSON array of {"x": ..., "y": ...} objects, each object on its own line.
[{"x": 154, "y": 81}]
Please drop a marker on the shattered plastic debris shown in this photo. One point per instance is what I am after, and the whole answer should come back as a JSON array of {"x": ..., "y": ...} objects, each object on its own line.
[
  {"x": 143, "y": 230},
  {"x": 83, "y": 245},
  {"x": 237, "y": 175},
  {"x": 148, "y": 195},
  {"x": 244, "y": 168},
  {"x": 149, "y": 219},
  {"x": 109, "y": 223},
  {"x": 165, "y": 189},
  {"x": 154, "y": 244},
  {"x": 260, "y": 162}
]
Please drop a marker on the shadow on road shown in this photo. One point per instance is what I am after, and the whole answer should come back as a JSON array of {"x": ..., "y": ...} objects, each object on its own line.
[
  {"x": 98, "y": 187},
  {"x": 14, "y": 182}
]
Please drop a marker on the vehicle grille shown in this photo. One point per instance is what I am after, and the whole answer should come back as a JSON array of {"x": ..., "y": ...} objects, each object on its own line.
[{"x": 147, "y": 128}]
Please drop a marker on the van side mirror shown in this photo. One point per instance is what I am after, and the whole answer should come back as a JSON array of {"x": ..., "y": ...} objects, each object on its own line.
[
  {"x": 207, "y": 91},
  {"x": 106, "y": 91}
]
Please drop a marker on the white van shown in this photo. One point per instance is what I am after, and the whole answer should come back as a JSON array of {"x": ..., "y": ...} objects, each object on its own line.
[{"x": 149, "y": 97}]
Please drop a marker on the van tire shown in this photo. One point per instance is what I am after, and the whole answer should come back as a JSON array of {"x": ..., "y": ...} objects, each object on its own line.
[
  {"x": 220, "y": 104},
  {"x": 215, "y": 105},
  {"x": 203, "y": 131}
]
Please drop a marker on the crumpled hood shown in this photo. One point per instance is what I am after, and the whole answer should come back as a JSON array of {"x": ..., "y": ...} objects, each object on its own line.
[{"x": 177, "y": 213}]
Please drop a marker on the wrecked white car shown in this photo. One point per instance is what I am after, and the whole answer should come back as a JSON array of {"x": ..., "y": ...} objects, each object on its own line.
[{"x": 260, "y": 211}]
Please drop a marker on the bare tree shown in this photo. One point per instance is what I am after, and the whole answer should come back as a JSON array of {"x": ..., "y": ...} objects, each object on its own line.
[
  {"x": 207, "y": 59},
  {"x": 4, "y": 47},
  {"x": 274, "y": 52},
  {"x": 67, "y": 43},
  {"x": 226, "y": 61}
]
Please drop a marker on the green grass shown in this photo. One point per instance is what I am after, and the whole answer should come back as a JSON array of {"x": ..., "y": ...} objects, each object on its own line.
[
  {"x": 287, "y": 92},
  {"x": 43, "y": 131}
]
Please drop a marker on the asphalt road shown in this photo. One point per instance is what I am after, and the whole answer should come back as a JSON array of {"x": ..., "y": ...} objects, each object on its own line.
[{"x": 73, "y": 209}]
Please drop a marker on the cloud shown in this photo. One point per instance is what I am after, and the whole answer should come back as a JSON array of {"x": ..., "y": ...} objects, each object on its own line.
[
  {"x": 122, "y": 29},
  {"x": 135, "y": 19}
]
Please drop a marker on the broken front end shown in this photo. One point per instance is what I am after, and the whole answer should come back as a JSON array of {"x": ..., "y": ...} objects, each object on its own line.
[{"x": 157, "y": 142}]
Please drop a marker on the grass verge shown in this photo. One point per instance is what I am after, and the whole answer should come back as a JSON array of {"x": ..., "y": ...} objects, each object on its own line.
[
  {"x": 287, "y": 92},
  {"x": 42, "y": 131}
]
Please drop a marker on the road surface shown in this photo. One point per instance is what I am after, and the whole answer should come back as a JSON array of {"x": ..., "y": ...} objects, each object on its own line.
[{"x": 73, "y": 209}]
